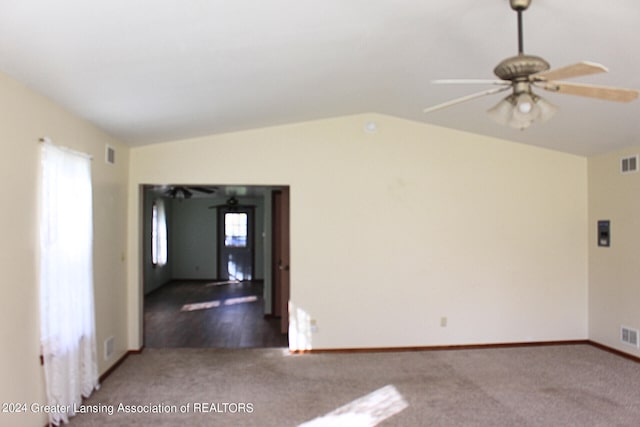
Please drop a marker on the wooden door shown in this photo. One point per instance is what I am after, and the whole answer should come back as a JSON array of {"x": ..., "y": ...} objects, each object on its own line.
[{"x": 281, "y": 263}]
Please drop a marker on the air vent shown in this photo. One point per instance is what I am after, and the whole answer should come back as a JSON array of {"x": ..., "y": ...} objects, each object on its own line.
[
  {"x": 108, "y": 348},
  {"x": 110, "y": 155},
  {"x": 629, "y": 336},
  {"x": 629, "y": 164}
]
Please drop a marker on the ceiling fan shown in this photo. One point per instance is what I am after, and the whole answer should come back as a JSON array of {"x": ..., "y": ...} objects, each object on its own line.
[
  {"x": 230, "y": 204},
  {"x": 522, "y": 73},
  {"x": 186, "y": 192}
]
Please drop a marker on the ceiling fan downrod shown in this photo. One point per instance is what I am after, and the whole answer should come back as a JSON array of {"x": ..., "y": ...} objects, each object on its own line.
[
  {"x": 520, "y": 67},
  {"x": 520, "y": 38},
  {"x": 519, "y": 6}
]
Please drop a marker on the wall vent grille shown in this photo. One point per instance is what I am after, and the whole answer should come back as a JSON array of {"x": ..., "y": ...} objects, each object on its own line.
[
  {"x": 110, "y": 155},
  {"x": 108, "y": 348},
  {"x": 629, "y": 164},
  {"x": 629, "y": 336}
]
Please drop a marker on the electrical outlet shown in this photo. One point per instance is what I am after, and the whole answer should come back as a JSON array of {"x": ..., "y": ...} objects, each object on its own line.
[{"x": 443, "y": 322}]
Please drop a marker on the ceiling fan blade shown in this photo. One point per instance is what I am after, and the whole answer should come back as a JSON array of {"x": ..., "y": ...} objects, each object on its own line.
[
  {"x": 471, "y": 81},
  {"x": 600, "y": 92},
  {"x": 201, "y": 189},
  {"x": 466, "y": 98},
  {"x": 583, "y": 68}
]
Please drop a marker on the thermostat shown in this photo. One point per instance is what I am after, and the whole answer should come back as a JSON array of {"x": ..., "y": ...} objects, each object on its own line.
[{"x": 604, "y": 233}]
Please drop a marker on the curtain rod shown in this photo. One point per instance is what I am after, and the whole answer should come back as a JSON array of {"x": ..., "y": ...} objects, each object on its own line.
[{"x": 47, "y": 140}]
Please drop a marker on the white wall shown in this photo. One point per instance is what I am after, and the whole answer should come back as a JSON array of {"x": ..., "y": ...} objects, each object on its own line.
[
  {"x": 24, "y": 118},
  {"x": 392, "y": 231},
  {"x": 614, "y": 287}
]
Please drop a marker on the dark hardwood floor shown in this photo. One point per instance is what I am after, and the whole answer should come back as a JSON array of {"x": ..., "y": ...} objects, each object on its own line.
[{"x": 202, "y": 314}]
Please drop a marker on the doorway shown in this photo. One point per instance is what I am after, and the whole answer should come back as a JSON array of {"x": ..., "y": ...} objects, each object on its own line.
[
  {"x": 217, "y": 288},
  {"x": 236, "y": 247}
]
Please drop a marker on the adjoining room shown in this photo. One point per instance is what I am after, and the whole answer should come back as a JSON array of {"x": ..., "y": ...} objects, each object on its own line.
[{"x": 212, "y": 268}]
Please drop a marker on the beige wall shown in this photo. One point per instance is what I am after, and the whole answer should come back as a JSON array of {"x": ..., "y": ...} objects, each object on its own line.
[
  {"x": 614, "y": 288},
  {"x": 25, "y": 117},
  {"x": 391, "y": 232},
  {"x": 394, "y": 230}
]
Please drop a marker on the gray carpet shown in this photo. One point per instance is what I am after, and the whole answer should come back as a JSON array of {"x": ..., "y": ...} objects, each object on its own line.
[{"x": 570, "y": 385}]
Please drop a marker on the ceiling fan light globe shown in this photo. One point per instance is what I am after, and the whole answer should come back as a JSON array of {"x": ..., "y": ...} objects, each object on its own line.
[
  {"x": 507, "y": 112},
  {"x": 520, "y": 123},
  {"x": 525, "y": 108},
  {"x": 547, "y": 109},
  {"x": 502, "y": 112}
]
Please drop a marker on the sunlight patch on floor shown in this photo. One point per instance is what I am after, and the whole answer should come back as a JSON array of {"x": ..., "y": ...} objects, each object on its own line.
[
  {"x": 213, "y": 304},
  {"x": 200, "y": 306},
  {"x": 224, "y": 282},
  {"x": 366, "y": 411},
  {"x": 241, "y": 300}
]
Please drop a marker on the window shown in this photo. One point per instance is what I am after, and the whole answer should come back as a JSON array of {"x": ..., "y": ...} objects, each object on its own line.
[
  {"x": 158, "y": 234},
  {"x": 235, "y": 230},
  {"x": 67, "y": 320}
]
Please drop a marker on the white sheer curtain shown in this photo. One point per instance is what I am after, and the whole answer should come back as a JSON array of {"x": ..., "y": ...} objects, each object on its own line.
[
  {"x": 67, "y": 320},
  {"x": 159, "y": 250}
]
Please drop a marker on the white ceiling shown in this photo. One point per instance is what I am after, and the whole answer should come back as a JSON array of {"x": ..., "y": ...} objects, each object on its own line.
[{"x": 155, "y": 70}]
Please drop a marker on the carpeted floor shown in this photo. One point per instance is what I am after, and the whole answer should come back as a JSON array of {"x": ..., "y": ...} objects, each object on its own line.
[{"x": 569, "y": 385}]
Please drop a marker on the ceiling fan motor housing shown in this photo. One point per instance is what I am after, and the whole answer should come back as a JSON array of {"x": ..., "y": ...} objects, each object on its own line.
[{"x": 520, "y": 67}]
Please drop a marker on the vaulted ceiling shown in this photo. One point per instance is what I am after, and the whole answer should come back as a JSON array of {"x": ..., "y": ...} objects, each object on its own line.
[{"x": 155, "y": 70}]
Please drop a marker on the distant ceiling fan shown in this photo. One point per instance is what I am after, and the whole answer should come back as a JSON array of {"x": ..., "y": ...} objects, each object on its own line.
[
  {"x": 523, "y": 72},
  {"x": 230, "y": 204}
]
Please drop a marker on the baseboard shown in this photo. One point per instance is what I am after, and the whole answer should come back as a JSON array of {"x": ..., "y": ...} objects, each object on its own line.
[
  {"x": 440, "y": 347},
  {"x": 614, "y": 351},
  {"x": 470, "y": 347},
  {"x": 118, "y": 363},
  {"x": 423, "y": 348}
]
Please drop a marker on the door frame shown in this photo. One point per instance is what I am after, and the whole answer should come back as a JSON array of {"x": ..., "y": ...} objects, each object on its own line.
[{"x": 222, "y": 210}]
